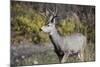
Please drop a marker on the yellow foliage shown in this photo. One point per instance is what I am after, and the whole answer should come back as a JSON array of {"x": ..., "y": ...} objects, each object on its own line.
[{"x": 65, "y": 26}]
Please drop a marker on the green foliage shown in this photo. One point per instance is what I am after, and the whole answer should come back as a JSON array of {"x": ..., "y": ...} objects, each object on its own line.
[
  {"x": 66, "y": 26},
  {"x": 26, "y": 20}
]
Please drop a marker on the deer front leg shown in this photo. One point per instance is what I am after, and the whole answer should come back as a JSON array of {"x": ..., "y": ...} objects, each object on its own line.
[
  {"x": 60, "y": 55},
  {"x": 64, "y": 58}
]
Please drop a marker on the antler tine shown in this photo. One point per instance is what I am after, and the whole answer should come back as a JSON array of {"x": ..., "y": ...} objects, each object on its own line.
[
  {"x": 55, "y": 10},
  {"x": 50, "y": 10},
  {"x": 46, "y": 12}
]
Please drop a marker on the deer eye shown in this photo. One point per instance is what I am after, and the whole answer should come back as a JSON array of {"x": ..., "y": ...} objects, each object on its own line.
[{"x": 48, "y": 25}]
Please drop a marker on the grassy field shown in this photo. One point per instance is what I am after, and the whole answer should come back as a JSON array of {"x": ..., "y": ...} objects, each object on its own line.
[{"x": 49, "y": 57}]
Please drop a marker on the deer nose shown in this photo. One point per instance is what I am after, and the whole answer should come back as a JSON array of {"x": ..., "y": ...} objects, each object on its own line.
[{"x": 40, "y": 29}]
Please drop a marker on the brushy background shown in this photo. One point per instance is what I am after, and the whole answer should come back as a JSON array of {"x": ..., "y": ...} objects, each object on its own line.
[{"x": 30, "y": 46}]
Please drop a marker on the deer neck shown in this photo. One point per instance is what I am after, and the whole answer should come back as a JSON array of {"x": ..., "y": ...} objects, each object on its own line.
[{"x": 56, "y": 39}]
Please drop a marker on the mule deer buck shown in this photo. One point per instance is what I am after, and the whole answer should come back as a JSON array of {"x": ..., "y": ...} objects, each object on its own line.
[{"x": 64, "y": 46}]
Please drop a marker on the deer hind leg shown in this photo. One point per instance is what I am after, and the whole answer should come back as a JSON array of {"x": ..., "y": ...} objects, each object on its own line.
[{"x": 81, "y": 55}]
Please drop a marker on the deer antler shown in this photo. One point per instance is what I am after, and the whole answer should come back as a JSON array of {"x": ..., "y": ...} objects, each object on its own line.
[{"x": 55, "y": 13}]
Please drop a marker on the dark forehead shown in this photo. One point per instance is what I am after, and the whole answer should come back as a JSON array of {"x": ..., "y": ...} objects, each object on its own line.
[{"x": 49, "y": 19}]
